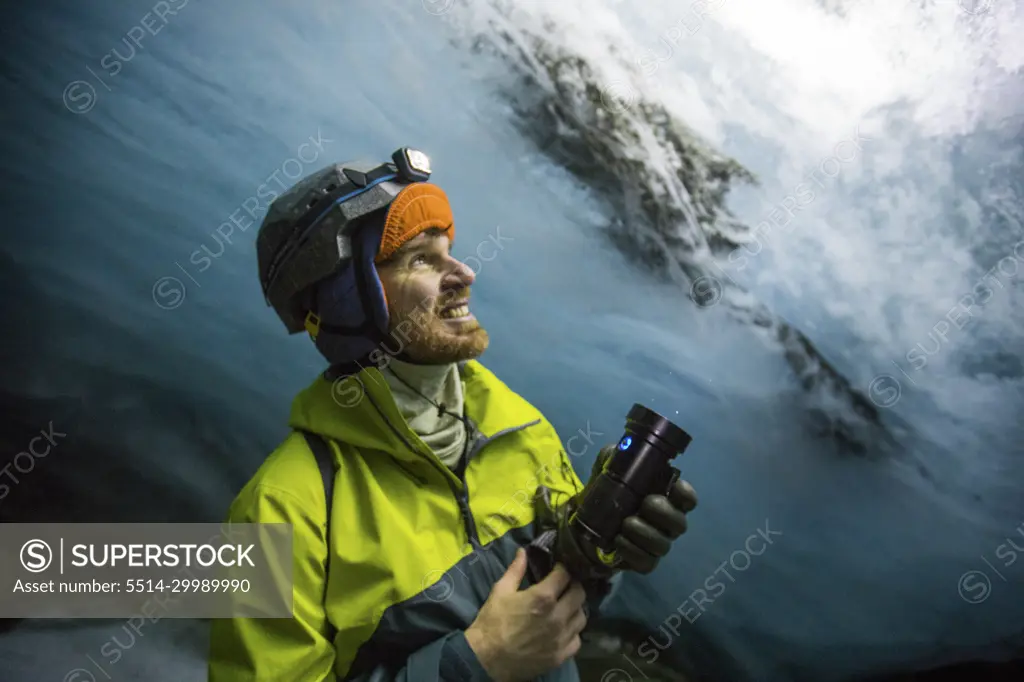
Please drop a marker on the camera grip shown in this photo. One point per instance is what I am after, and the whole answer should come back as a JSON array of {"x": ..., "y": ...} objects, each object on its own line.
[{"x": 540, "y": 557}]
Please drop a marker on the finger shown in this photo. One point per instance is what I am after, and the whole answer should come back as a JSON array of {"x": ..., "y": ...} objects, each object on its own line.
[
  {"x": 577, "y": 622},
  {"x": 683, "y": 496},
  {"x": 554, "y": 584},
  {"x": 635, "y": 558},
  {"x": 660, "y": 513},
  {"x": 571, "y": 650},
  {"x": 571, "y": 602},
  {"x": 513, "y": 577},
  {"x": 645, "y": 536}
]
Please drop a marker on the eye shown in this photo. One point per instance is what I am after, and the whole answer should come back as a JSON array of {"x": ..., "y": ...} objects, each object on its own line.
[{"x": 419, "y": 259}]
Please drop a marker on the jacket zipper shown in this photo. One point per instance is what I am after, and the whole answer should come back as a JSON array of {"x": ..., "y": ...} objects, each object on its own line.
[{"x": 462, "y": 496}]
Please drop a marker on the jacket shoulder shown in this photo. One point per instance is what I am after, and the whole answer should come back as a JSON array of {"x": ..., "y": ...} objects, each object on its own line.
[
  {"x": 289, "y": 476},
  {"x": 486, "y": 388}
]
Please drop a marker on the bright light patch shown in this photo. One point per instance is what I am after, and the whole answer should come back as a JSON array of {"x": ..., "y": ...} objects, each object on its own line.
[{"x": 418, "y": 160}]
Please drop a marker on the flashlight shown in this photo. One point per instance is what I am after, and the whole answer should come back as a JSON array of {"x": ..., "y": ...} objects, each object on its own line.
[{"x": 640, "y": 466}]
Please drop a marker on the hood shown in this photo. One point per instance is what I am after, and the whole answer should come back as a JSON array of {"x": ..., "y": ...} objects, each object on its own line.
[{"x": 360, "y": 410}]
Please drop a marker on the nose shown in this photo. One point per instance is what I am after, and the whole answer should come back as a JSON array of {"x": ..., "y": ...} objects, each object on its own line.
[{"x": 461, "y": 273}]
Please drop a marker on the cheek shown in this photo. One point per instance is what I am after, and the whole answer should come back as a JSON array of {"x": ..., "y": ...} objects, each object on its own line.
[{"x": 415, "y": 298}]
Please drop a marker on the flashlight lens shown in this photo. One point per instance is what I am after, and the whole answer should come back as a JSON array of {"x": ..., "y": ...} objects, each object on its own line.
[
  {"x": 642, "y": 420},
  {"x": 418, "y": 160}
]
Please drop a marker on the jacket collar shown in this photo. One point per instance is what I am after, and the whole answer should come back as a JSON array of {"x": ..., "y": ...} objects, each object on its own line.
[{"x": 359, "y": 409}]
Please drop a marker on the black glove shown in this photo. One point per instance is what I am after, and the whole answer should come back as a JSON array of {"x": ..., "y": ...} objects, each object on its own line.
[{"x": 647, "y": 536}]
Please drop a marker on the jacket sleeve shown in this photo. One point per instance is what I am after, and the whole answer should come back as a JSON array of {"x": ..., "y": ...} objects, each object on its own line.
[
  {"x": 298, "y": 648},
  {"x": 448, "y": 659}
]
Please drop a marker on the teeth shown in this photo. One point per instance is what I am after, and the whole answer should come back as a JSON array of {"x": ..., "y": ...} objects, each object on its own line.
[{"x": 460, "y": 311}]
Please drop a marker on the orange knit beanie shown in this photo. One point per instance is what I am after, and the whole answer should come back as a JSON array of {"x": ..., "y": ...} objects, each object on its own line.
[{"x": 418, "y": 207}]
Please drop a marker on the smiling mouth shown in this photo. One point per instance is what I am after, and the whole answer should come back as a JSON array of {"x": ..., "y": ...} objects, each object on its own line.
[{"x": 458, "y": 311}]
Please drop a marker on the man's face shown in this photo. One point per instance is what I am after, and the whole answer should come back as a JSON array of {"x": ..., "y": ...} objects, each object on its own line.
[{"x": 428, "y": 302}]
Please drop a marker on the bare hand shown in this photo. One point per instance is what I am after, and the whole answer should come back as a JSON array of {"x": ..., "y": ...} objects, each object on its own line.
[{"x": 521, "y": 634}]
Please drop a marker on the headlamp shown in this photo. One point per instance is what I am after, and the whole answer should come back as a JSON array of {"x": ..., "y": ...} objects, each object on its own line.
[{"x": 413, "y": 165}]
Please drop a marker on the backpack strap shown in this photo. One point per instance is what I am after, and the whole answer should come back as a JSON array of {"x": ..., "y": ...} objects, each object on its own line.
[{"x": 325, "y": 462}]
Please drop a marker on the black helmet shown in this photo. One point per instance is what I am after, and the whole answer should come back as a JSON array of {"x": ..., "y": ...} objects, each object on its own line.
[{"x": 307, "y": 232}]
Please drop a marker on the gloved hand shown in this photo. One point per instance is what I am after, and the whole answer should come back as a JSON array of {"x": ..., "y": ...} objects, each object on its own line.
[{"x": 648, "y": 535}]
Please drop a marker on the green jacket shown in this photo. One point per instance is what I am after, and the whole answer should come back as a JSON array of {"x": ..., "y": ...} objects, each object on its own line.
[{"x": 415, "y": 548}]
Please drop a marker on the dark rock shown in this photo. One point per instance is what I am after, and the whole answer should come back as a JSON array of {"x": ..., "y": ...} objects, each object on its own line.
[{"x": 669, "y": 219}]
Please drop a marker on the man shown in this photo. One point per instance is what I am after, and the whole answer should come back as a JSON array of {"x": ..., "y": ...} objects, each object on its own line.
[{"x": 443, "y": 474}]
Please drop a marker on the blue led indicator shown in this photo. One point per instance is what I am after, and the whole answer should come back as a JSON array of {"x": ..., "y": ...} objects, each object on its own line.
[{"x": 625, "y": 443}]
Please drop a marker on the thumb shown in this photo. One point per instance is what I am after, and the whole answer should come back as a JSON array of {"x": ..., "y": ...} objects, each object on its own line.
[
  {"x": 603, "y": 455},
  {"x": 513, "y": 577}
]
